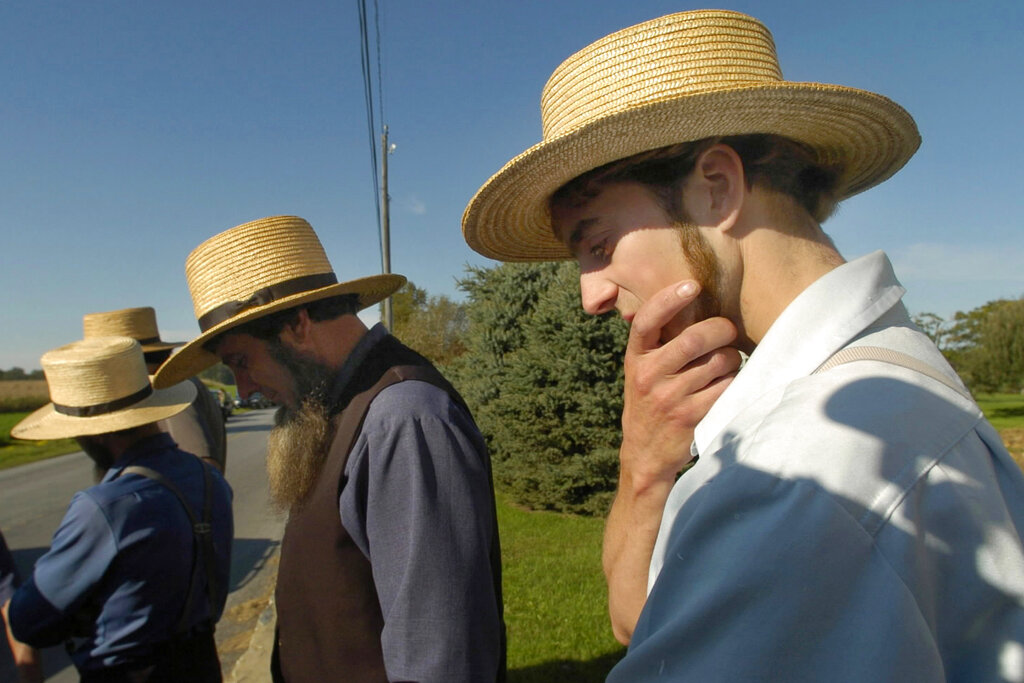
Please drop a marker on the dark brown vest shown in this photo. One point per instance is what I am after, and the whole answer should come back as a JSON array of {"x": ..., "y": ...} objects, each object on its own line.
[{"x": 328, "y": 619}]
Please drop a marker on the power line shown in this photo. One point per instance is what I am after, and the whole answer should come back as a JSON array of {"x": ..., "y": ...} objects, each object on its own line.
[
  {"x": 380, "y": 67},
  {"x": 368, "y": 82},
  {"x": 380, "y": 180}
]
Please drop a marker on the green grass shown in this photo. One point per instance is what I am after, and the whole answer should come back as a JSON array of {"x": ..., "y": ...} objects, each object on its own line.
[
  {"x": 555, "y": 599},
  {"x": 1004, "y": 411},
  {"x": 17, "y": 452}
]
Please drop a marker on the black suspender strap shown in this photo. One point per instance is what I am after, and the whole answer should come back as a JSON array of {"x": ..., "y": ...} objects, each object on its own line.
[{"x": 202, "y": 535}]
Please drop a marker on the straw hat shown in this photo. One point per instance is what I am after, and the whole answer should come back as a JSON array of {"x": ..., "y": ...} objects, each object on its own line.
[
  {"x": 137, "y": 323},
  {"x": 255, "y": 269},
  {"x": 679, "y": 78},
  {"x": 99, "y": 385}
]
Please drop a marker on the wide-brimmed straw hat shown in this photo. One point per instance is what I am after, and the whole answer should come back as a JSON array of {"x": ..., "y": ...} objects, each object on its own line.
[
  {"x": 255, "y": 269},
  {"x": 680, "y": 78},
  {"x": 137, "y": 323},
  {"x": 100, "y": 385}
]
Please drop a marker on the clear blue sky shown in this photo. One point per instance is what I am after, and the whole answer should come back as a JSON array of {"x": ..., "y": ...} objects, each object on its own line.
[{"x": 132, "y": 131}]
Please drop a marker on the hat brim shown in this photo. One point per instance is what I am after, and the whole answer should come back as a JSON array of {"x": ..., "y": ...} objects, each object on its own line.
[
  {"x": 193, "y": 358},
  {"x": 46, "y": 423},
  {"x": 870, "y": 135},
  {"x": 161, "y": 346}
]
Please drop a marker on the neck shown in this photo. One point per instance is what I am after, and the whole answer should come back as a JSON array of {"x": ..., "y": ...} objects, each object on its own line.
[
  {"x": 120, "y": 442},
  {"x": 779, "y": 258},
  {"x": 333, "y": 340}
]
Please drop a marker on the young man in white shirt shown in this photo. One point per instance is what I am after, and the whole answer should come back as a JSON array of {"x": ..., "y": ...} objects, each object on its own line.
[{"x": 852, "y": 515}]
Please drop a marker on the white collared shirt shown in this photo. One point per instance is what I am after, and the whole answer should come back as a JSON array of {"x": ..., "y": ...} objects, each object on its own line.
[{"x": 858, "y": 524}]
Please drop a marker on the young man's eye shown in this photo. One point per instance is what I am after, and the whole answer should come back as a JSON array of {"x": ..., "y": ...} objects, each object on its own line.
[{"x": 600, "y": 250}]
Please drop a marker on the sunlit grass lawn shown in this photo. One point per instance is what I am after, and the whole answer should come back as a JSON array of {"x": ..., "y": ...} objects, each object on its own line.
[
  {"x": 17, "y": 452},
  {"x": 1006, "y": 413},
  {"x": 555, "y": 600},
  {"x": 1003, "y": 410}
]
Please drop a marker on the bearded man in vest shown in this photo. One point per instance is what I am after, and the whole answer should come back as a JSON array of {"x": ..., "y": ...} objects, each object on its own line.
[
  {"x": 390, "y": 563},
  {"x": 852, "y": 516}
]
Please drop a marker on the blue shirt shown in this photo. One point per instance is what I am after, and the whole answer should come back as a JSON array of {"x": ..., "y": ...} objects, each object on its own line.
[
  {"x": 118, "y": 569},
  {"x": 419, "y": 504}
]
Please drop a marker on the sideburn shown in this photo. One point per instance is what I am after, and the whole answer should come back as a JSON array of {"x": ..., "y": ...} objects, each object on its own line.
[{"x": 702, "y": 260}]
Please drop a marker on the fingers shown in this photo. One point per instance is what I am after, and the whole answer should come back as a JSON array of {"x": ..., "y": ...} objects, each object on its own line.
[
  {"x": 699, "y": 340},
  {"x": 657, "y": 312}
]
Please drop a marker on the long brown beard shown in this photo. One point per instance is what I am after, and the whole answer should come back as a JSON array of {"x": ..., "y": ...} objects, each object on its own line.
[
  {"x": 300, "y": 440},
  {"x": 296, "y": 451}
]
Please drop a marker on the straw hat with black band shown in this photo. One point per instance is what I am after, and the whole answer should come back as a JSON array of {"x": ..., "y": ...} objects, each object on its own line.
[
  {"x": 680, "y": 78},
  {"x": 99, "y": 385},
  {"x": 255, "y": 269},
  {"x": 137, "y": 323}
]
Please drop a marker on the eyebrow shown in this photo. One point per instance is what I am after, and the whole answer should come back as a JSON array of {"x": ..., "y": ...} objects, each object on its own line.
[
  {"x": 230, "y": 359},
  {"x": 576, "y": 236}
]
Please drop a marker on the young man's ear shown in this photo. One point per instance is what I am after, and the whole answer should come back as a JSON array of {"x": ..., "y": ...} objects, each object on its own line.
[{"x": 717, "y": 188}]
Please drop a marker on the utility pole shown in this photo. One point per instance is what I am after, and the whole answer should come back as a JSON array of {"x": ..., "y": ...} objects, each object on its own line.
[{"x": 385, "y": 228}]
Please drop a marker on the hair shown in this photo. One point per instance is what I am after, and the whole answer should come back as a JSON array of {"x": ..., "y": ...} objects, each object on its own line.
[
  {"x": 769, "y": 161},
  {"x": 269, "y": 327},
  {"x": 131, "y": 431},
  {"x": 157, "y": 357}
]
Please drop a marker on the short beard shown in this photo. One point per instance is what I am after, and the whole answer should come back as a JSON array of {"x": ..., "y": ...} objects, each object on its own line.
[{"x": 300, "y": 440}]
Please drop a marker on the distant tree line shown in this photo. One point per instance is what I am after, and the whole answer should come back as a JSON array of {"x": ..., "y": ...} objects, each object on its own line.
[
  {"x": 985, "y": 345},
  {"x": 19, "y": 373},
  {"x": 436, "y": 326},
  {"x": 218, "y": 373}
]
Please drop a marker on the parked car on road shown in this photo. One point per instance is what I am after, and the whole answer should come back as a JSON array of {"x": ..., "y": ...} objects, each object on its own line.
[
  {"x": 227, "y": 406},
  {"x": 256, "y": 400}
]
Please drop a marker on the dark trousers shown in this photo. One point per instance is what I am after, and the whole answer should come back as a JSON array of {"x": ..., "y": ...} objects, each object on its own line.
[{"x": 190, "y": 658}]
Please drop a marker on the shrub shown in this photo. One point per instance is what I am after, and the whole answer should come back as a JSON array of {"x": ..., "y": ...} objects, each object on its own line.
[{"x": 544, "y": 381}]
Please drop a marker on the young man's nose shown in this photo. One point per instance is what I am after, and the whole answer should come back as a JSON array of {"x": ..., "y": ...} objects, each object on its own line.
[{"x": 597, "y": 293}]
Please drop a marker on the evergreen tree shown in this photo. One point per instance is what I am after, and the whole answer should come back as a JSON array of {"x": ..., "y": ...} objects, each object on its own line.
[{"x": 544, "y": 380}]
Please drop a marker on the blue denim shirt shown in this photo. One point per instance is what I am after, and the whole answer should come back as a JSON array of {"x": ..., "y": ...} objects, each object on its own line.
[{"x": 117, "y": 572}]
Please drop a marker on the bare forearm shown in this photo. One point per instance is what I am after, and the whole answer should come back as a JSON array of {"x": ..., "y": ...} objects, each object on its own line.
[
  {"x": 669, "y": 388},
  {"x": 630, "y": 533}
]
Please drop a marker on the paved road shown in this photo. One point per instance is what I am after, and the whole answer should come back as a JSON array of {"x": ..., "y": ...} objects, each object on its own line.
[{"x": 33, "y": 499}]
